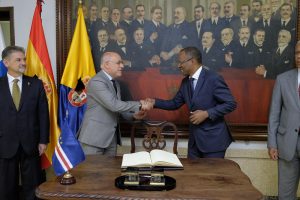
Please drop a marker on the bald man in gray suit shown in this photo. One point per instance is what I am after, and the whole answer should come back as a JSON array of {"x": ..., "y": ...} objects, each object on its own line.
[
  {"x": 99, "y": 133},
  {"x": 283, "y": 130}
]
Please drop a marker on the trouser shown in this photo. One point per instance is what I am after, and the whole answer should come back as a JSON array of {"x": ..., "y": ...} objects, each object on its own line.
[
  {"x": 30, "y": 172},
  {"x": 288, "y": 176},
  {"x": 111, "y": 150}
]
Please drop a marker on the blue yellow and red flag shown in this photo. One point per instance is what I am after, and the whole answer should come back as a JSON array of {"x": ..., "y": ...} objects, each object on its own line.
[{"x": 78, "y": 71}]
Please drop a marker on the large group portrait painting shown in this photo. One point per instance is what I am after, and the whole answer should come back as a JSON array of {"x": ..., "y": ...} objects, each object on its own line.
[{"x": 248, "y": 42}]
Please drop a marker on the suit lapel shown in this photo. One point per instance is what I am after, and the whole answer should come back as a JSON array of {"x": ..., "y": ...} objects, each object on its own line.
[
  {"x": 293, "y": 84},
  {"x": 110, "y": 85},
  {"x": 7, "y": 93}
]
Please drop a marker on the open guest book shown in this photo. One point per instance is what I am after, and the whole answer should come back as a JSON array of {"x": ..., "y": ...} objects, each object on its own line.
[{"x": 156, "y": 158}]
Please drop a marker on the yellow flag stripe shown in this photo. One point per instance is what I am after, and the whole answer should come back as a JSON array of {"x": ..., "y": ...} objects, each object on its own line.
[{"x": 79, "y": 64}]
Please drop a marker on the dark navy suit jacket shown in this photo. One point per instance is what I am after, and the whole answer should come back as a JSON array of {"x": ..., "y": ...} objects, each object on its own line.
[
  {"x": 28, "y": 126},
  {"x": 151, "y": 28},
  {"x": 213, "y": 95}
]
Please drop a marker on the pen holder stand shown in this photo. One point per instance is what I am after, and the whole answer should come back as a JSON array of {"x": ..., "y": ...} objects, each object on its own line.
[{"x": 145, "y": 179}]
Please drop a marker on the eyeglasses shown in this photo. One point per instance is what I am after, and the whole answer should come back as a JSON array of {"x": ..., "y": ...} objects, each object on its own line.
[
  {"x": 182, "y": 62},
  {"x": 117, "y": 63}
]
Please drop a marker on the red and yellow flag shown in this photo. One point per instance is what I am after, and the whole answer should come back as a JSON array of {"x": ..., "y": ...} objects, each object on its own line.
[{"x": 38, "y": 63}]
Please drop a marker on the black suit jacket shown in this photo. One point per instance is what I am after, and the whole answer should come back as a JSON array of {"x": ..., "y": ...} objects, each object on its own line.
[
  {"x": 28, "y": 126},
  {"x": 280, "y": 63}
]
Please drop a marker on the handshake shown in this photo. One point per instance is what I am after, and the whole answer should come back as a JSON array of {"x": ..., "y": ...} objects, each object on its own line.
[{"x": 147, "y": 105}]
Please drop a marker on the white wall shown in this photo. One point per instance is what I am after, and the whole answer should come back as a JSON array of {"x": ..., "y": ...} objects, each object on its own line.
[{"x": 23, "y": 13}]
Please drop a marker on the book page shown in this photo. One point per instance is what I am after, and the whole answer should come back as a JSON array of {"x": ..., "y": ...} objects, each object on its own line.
[
  {"x": 138, "y": 159},
  {"x": 164, "y": 158}
]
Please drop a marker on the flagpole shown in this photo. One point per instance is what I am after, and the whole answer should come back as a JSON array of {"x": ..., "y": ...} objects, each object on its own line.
[{"x": 68, "y": 151}]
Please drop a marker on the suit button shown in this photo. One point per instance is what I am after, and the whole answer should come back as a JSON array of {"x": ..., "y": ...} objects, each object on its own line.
[{"x": 296, "y": 130}]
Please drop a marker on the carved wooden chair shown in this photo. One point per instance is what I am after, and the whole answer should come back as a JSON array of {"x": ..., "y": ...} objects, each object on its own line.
[{"x": 154, "y": 136}]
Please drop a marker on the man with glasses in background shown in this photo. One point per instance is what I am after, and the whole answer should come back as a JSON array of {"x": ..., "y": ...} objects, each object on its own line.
[
  {"x": 208, "y": 99},
  {"x": 100, "y": 131}
]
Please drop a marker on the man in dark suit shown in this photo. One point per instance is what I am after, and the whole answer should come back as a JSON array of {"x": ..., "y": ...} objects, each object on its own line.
[
  {"x": 261, "y": 54},
  {"x": 114, "y": 23},
  {"x": 24, "y": 127},
  {"x": 103, "y": 45},
  {"x": 286, "y": 21},
  {"x": 256, "y": 10},
  {"x": 228, "y": 47},
  {"x": 139, "y": 21},
  {"x": 229, "y": 15},
  {"x": 100, "y": 24},
  {"x": 244, "y": 20},
  {"x": 282, "y": 57},
  {"x": 208, "y": 99},
  {"x": 142, "y": 52},
  {"x": 177, "y": 36},
  {"x": 268, "y": 24},
  {"x": 215, "y": 23},
  {"x": 127, "y": 15},
  {"x": 211, "y": 52},
  {"x": 155, "y": 30},
  {"x": 197, "y": 24},
  {"x": 244, "y": 53},
  {"x": 92, "y": 20},
  {"x": 121, "y": 47}
]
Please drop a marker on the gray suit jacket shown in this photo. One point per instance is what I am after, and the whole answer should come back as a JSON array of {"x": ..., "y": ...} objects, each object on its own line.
[
  {"x": 102, "y": 113},
  {"x": 284, "y": 117}
]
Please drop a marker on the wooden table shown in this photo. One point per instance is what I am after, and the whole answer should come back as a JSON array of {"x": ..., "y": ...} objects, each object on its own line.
[{"x": 200, "y": 179}]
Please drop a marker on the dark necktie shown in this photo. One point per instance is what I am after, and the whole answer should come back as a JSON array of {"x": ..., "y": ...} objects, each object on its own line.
[
  {"x": 278, "y": 52},
  {"x": 205, "y": 50},
  {"x": 16, "y": 94},
  {"x": 244, "y": 23},
  {"x": 198, "y": 25},
  {"x": 244, "y": 44},
  {"x": 102, "y": 49},
  {"x": 123, "y": 48},
  {"x": 214, "y": 22},
  {"x": 299, "y": 90},
  {"x": 283, "y": 24},
  {"x": 198, "y": 28},
  {"x": 266, "y": 23},
  {"x": 114, "y": 84},
  {"x": 191, "y": 80}
]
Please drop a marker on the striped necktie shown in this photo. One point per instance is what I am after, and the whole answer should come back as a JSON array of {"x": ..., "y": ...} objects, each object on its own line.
[{"x": 16, "y": 93}]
